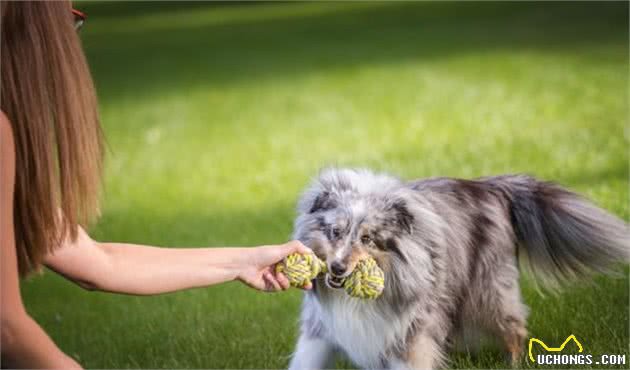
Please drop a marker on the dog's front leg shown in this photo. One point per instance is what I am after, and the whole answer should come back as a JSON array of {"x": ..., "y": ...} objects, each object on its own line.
[
  {"x": 312, "y": 353},
  {"x": 424, "y": 352}
]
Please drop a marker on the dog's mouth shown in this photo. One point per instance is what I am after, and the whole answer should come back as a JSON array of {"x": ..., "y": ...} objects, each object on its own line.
[{"x": 334, "y": 282}]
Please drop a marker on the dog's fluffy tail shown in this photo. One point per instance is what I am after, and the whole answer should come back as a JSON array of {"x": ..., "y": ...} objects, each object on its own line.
[{"x": 564, "y": 235}]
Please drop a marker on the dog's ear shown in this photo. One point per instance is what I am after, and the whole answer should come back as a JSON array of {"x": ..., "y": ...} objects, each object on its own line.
[
  {"x": 403, "y": 218},
  {"x": 324, "y": 201}
]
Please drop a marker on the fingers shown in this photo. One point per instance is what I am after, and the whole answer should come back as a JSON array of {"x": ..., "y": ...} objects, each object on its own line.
[
  {"x": 283, "y": 281},
  {"x": 267, "y": 286},
  {"x": 285, "y": 284},
  {"x": 270, "y": 282},
  {"x": 280, "y": 282}
]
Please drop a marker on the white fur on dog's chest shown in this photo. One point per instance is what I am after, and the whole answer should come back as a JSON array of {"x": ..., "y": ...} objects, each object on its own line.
[{"x": 358, "y": 328}]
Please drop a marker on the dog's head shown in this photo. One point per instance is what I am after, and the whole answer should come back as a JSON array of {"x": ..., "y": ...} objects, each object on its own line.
[{"x": 349, "y": 214}]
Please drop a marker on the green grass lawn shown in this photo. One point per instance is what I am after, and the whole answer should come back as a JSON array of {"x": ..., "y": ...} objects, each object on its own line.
[{"x": 216, "y": 117}]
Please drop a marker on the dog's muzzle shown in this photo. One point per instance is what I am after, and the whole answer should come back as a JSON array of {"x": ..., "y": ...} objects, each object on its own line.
[{"x": 334, "y": 282}]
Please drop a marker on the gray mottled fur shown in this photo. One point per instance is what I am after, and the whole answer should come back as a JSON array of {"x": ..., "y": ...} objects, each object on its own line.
[{"x": 450, "y": 250}]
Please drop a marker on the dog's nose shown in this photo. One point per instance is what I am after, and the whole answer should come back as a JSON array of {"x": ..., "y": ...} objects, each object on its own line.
[{"x": 337, "y": 268}]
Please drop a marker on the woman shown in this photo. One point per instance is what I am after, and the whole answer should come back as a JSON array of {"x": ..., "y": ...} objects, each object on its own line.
[{"x": 50, "y": 165}]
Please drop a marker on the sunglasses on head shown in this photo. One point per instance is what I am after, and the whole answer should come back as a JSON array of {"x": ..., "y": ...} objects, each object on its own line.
[{"x": 79, "y": 19}]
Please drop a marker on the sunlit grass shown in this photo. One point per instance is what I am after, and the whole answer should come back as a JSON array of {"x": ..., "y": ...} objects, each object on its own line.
[{"x": 217, "y": 116}]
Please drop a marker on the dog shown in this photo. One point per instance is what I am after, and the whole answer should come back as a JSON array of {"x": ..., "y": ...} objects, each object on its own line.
[{"x": 451, "y": 250}]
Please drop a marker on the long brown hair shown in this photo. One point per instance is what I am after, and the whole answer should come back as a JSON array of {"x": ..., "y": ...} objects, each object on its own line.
[{"x": 48, "y": 95}]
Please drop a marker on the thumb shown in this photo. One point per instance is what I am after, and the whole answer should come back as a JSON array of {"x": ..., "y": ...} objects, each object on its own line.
[{"x": 295, "y": 246}]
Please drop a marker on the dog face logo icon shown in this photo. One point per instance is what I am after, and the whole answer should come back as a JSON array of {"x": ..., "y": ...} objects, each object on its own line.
[{"x": 552, "y": 349}]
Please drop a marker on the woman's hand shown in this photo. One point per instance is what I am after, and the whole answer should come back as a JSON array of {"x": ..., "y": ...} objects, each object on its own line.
[{"x": 259, "y": 273}]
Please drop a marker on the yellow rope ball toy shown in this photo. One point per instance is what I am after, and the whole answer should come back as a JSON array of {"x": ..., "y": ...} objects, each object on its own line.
[{"x": 366, "y": 281}]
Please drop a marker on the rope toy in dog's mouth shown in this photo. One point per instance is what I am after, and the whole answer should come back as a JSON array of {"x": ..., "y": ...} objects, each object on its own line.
[{"x": 366, "y": 281}]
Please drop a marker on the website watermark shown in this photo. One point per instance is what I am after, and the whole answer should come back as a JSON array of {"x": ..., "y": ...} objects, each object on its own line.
[{"x": 552, "y": 355}]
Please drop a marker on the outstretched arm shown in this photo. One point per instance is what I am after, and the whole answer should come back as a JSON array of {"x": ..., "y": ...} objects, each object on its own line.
[{"x": 145, "y": 270}]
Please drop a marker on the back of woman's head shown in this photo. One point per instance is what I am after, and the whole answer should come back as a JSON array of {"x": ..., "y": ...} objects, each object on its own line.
[{"x": 48, "y": 95}]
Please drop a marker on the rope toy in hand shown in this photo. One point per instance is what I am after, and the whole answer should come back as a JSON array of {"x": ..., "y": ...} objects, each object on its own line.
[
  {"x": 301, "y": 268},
  {"x": 366, "y": 281}
]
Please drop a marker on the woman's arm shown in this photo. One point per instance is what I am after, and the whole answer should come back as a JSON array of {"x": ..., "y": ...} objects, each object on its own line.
[
  {"x": 24, "y": 343},
  {"x": 145, "y": 270}
]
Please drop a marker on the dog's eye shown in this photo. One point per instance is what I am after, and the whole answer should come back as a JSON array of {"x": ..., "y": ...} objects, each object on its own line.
[
  {"x": 335, "y": 232},
  {"x": 365, "y": 239}
]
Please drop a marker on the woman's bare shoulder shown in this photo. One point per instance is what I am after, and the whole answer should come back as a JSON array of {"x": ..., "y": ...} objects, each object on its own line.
[
  {"x": 7, "y": 149},
  {"x": 6, "y": 131},
  {"x": 4, "y": 119}
]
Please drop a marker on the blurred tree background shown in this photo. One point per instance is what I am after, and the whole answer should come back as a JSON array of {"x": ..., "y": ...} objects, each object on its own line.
[{"x": 217, "y": 115}]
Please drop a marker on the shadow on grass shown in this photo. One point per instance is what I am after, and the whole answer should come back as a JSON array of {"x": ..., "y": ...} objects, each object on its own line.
[{"x": 168, "y": 56}]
